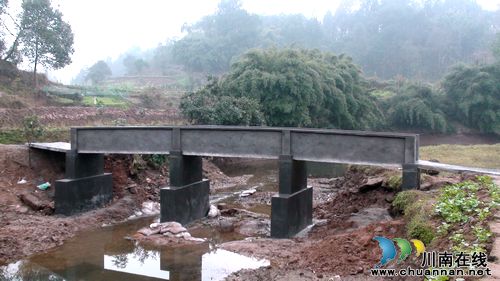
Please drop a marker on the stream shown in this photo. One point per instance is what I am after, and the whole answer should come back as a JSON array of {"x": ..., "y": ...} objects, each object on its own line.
[{"x": 108, "y": 253}]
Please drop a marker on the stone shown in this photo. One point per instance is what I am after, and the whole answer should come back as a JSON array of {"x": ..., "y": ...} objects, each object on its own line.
[
  {"x": 213, "y": 212},
  {"x": 33, "y": 201},
  {"x": 150, "y": 208},
  {"x": 166, "y": 225},
  {"x": 248, "y": 192},
  {"x": 426, "y": 186},
  {"x": 155, "y": 225},
  {"x": 23, "y": 209},
  {"x": 221, "y": 206},
  {"x": 172, "y": 227},
  {"x": 226, "y": 225},
  {"x": 146, "y": 231},
  {"x": 371, "y": 183},
  {"x": 389, "y": 198}
]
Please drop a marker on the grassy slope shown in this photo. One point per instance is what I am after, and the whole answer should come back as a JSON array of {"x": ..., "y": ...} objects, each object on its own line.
[{"x": 484, "y": 156}]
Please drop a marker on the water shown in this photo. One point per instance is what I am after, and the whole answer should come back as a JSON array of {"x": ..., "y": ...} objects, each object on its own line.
[{"x": 106, "y": 254}]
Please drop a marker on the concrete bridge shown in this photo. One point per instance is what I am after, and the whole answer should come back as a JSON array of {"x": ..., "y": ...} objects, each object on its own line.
[{"x": 186, "y": 199}]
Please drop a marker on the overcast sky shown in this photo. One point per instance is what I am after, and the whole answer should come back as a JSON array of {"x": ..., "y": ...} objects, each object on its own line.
[{"x": 107, "y": 28}]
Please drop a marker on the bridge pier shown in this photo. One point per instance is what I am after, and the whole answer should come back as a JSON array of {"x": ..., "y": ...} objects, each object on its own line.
[
  {"x": 186, "y": 199},
  {"x": 291, "y": 210},
  {"x": 85, "y": 187},
  {"x": 411, "y": 177}
]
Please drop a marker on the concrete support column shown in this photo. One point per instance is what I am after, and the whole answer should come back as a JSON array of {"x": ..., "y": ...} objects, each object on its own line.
[
  {"x": 186, "y": 199},
  {"x": 291, "y": 210},
  {"x": 85, "y": 187},
  {"x": 184, "y": 169},
  {"x": 292, "y": 175},
  {"x": 411, "y": 177}
]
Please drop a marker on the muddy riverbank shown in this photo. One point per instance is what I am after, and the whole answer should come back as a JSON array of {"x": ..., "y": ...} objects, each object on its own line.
[{"x": 349, "y": 211}]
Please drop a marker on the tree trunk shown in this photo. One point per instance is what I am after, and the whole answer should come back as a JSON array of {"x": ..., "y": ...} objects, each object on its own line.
[
  {"x": 35, "y": 77},
  {"x": 12, "y": 48}
]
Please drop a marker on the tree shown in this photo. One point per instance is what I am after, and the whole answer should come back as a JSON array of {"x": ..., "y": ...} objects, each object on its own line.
[
  {"x": 203, "y": 107},
  {"x": 98, "y": 72},
  {"x": 32, "y": 129},
  {"x": 134, "y": 65},
  {"x": 213, "y": 42},
  {"x": 416, "y": 107},
  {"x": 473, "y": 96},
  {"x": 46, "y": 39},
  {"x": 292, "y": 87},
  {"x": 496, "y": 47}
]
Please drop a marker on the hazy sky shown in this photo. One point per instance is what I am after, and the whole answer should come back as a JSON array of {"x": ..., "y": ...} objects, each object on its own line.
[{"x": 107, "y": 28}]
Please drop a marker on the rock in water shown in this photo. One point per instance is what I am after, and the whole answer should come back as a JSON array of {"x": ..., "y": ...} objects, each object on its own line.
[
  {"x": 146, "y": 231},
  {"x": 248, "y": 192},
  {"x": 213, "y": 212}
]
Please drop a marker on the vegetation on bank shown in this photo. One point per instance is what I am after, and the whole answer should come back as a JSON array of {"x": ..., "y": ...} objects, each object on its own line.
[
  {"x": 288, "y": 87},
  {"x": 453, "y": 219},
  {"x": 310, "y": 88},
  {"x": 484, "y": 156}
]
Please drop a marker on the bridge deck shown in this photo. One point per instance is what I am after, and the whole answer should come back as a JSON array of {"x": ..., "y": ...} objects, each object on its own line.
[
  {"x": 52, "y": 146},
  {"x": 65, "y": 147},
  {"x": 334, "y": 146},
  {"x": 455, "y": 168}
]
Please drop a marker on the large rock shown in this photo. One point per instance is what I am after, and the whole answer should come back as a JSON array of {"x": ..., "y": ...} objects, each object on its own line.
[
  {"x": 34, "y": 202},
  {"x": 371, "y": 183}
]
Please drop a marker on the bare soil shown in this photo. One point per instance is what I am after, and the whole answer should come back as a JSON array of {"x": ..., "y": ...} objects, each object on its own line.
[
  {"x": 349, "y": 212},
  {"x": 24, "y": 231}
]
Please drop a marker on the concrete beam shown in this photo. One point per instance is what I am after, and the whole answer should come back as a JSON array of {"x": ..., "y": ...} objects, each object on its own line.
[{"x": 333, "y": 146}]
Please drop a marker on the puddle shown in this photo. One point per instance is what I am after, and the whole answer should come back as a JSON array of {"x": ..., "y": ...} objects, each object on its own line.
[{"x": 105, "y": 254}]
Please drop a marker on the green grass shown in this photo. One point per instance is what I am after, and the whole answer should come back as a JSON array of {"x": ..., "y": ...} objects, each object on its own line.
[
  {"x": 484, "y": 156},
  {"x": 49, "y": 135},
  {"x": 112, "y": 101}
]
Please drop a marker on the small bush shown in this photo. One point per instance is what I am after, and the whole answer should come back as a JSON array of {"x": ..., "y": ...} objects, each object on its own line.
[
  {"x": 404, "y": 199},
  {"x": 419, "y": 228},
  {"x": 156, "y": 160},
  {"x": 394, "y": 182}
]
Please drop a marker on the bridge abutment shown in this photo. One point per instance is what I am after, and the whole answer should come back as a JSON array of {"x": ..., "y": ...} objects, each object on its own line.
[
  {"x": 186, "y": 199},
  {"x": 85, "y": 187},
  {"x": 291, "y": 210}
]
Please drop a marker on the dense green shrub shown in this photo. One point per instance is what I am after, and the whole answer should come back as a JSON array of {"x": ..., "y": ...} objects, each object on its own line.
[
  {"x": 289, "y": 87},
  {"x": 416, "y": 107},
  {"x": 473, "y": 96}
]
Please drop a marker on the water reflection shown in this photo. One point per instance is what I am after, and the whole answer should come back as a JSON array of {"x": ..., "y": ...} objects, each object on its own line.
[
  {"x": 106, "y": 255},
  {"x": 133, "y": 264}
]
